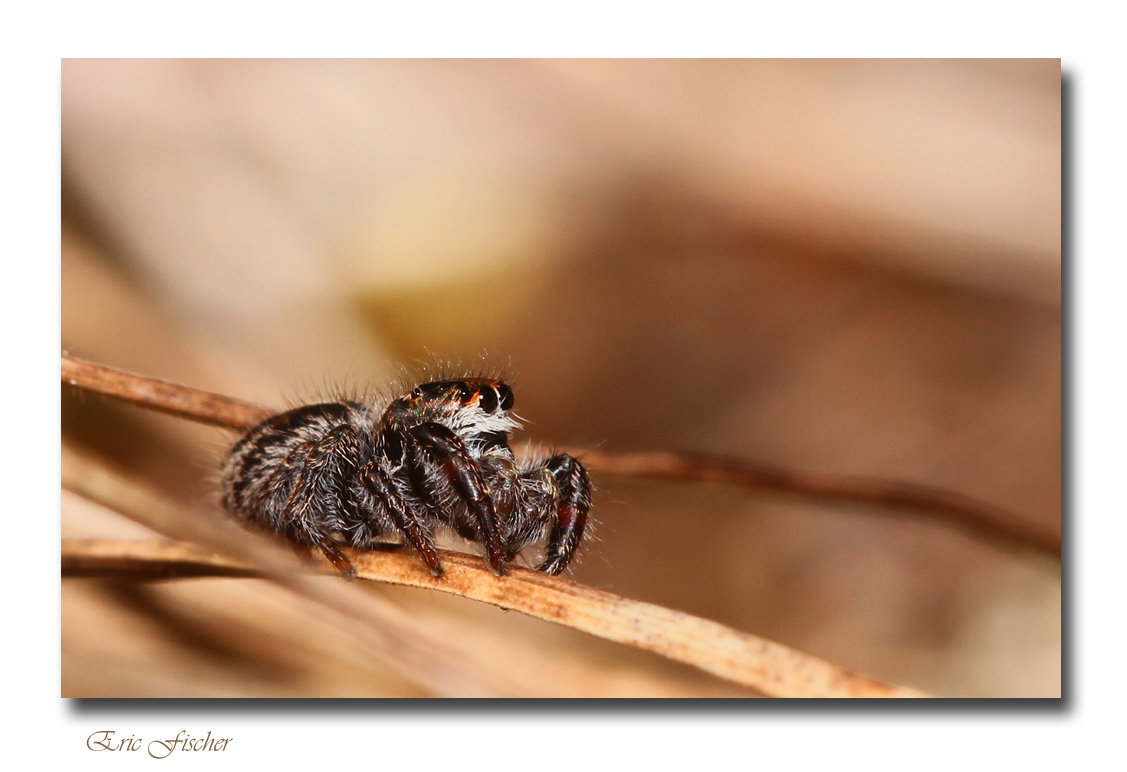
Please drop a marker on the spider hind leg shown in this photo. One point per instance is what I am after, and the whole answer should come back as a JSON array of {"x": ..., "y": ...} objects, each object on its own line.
[
  {"x": 339, "y": 560},
  {"x": 319, "y": 501}
]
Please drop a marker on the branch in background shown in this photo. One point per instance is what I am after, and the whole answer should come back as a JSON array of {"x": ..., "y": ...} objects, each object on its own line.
[
  {"x": 774, "y": 669},
  {"x": 985, "y": 522},
  {"x": 180, "y": 401}
]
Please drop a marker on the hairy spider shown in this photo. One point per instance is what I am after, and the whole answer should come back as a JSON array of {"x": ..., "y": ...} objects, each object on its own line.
[{"x": 437, "y": 458}]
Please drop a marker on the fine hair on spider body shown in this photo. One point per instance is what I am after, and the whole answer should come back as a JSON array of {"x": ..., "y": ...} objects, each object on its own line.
[{"x": 347, "y": 473}]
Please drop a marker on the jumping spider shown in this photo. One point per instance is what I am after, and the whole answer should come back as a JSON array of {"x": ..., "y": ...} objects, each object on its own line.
[{"x": 437, "y": 458}]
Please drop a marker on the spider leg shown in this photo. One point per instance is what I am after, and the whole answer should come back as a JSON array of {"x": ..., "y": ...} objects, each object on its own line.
[
  {"x": 462, "y": 471},
  {"x": 339, "y": 560},
  {"x": 318, "y": 501},
  {"x": 416, "y": 533},
  {"x": 569, "y": 478},
  {"x": 335, "y": 556}
]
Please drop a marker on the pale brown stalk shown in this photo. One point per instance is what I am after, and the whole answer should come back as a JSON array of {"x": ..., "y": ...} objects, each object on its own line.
[
  {"x": 172, "y": 398},
  {"x": 771, "y": 668}
]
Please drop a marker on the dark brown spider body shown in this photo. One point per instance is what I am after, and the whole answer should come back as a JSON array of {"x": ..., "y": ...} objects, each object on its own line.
[{"x": 436, "y": 458}]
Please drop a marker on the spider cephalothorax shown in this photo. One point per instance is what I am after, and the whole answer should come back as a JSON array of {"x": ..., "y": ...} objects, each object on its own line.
[{"x": 435, "y": 458}]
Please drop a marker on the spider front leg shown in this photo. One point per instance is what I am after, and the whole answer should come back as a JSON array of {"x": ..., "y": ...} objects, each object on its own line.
[
  {"x": 463, "y": 473},
  {"x": 572, "y": 498}
]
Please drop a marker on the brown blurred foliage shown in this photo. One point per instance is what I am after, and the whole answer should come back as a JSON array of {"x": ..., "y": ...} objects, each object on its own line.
[{"x": 839, "y": 266}]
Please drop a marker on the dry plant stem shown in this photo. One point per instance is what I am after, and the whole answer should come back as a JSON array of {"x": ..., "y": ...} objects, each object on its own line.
[
  {"x": 389, "y": 632},
  {"x": 196, "y": 405},
  {"x": 771, "y": 668},
  {"x": 147, "y": 561},
  {"x": 978, "y": 519},
  {"x": 985, "y": 522}
]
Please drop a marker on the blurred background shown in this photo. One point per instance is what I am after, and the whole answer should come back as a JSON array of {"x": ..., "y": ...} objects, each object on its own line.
[{"x": 835, "y": 266}]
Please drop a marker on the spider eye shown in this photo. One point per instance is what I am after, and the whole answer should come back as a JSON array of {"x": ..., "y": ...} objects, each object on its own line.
[
  {"x": 417, "y": 393},
  {"x": 488, "y": 399},
  {"x": 506, "y": 395},
  {"x": 465, "y": 393}
]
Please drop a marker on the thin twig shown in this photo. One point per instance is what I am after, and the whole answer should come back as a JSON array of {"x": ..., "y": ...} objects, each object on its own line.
[
  {"x": 980, "y": 520},
  {"x": 772, "y": 668},
  {"x": 181, "y": 401},
  {"x": 977, "y": 519}
]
